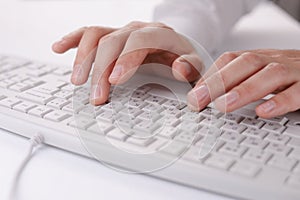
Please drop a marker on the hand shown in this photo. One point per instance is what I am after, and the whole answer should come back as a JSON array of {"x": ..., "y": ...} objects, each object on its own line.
[
  {"x": 117, "y": 53},
  {"x": 246, "y": 77}
]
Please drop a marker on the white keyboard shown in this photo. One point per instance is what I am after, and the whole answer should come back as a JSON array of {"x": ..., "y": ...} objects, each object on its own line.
[{"x": 237, "y": 154}]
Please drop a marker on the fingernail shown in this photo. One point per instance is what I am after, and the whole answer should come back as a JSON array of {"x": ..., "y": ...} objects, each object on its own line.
[
  {"x": 197, "y": 95},
  {"x": 186, "y": 67},
  {"x": 96, "y": 92},
  {"x": 228, "y": 99},
  {"x": 267, "y": 106},
  {"x": 117, "y": 71}
]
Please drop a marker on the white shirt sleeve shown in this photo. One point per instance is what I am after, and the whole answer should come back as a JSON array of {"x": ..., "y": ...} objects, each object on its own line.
[{"x": 206, "y": 21}]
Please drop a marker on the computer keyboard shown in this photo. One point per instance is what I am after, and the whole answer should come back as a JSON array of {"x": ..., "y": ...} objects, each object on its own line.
[{"x": 143, "y": 130}]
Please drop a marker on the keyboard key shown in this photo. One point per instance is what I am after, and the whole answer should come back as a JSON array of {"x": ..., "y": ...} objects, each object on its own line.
[
  {"x": 155, "y": 100},
  {"x": 6, "y": 83},
  {"x": 295, "y": 154},
  {"x": 136, "y": 103},
  {"x": 232, "y": 117},
  {"x": 212, "y": 121},
  {"x": 278, "y": 149},
  {"x": 245, "y": 169},
  {"x": 175, "y": 149},
  {"x": 64, "y": 94},
  {"x": 81, "y": 122},
  {"x": 74, "y": 109},
  {"x": 153, "y": 108},
  {"x": 273, "y": 127},
  {"x": 174, "y": 104},
  {"x": 104, "y": 127},
  {"x": 107, "y": 116},
  {"x": 167, "y": 132},
  {"x": 143, "y": 142},
  {"x": 57, "y": 116},
  {"x": 170, "y": 121},
  {"x": 37, "y": 73},
  {"x": 230, "y": 126},
  {"x": 118, "y": 135},
  {"x": 9, "y": 102},
  {"x": 232, "y": 137},
  {"x": 20, "y": 87},
  {"x": 257, "y": 133},
  {"x": 294, "y": 181},
  {"x": 174, "y": 112},
  {"x": 62, "y": 71},
  {"x": 254, "y": 123},
  {"x": 36, "y": 97},
  {"x": 257, "y": 155},
  {"x": 278, "y": 138},
  {"x": 187, "y": 137},
  {"x": 58, "y": 103},
  {"x": 248, "y": 113},
  {"x": 46, "y": 89},
  {"x": 254, "y": 142},
  {"x": 189, "y": 127},
  {"x": 211, "y": 113},
  {"x": 149, "y": 116},
  {"x": 192, "y": 117},
  {"x": 40, "y": 111},
  {"x": 131, "y": 112},
  {"x": 145, "y": 127},
  {"x": 233, "y": 149},
  {"x": 282, "y": 162},
  {"x": 2, "y": 96},
  {"x": 24, "y": 107},
  {"x": 219, "y": 161},
  {"x": 279, "y": 120},
  {"x": 294, "y": 142},
  {"x": 33, "y": 82},
  {"x": 292, "y": 131},
  {"x": 297, "y": 169}
]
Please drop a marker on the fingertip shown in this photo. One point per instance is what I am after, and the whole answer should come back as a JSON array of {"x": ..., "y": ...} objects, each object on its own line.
[
  {"x": 59, "y": 46},
  {"x": 181, "y": 69},
  {"x": 266, "y": 109}
]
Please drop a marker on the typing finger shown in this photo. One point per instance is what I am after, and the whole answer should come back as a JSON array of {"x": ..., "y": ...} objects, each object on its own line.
[
  {"x": 109, "y": 49},
  {"x": 282, "y": 103},
  {"x": 69, "y": 41},
  {"x": 228, "y": 77},
  {"x": 187, "y": 68},
  {"x": 86, "y": 53},
  {"x": 255, "y": 87}
]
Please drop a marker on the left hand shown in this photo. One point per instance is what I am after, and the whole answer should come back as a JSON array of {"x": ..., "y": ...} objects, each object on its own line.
[{"x": 248, "y": 76}]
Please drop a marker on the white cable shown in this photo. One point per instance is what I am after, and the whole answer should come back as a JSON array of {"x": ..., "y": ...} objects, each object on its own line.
[{"x": 34, "y": 142}]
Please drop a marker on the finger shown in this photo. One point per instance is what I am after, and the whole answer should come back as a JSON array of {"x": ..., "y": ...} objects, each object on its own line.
[
  {"x": 255, "y": 88},
  {"x": 221, "y": 62},
  {"x": 127, "y": 65},
  {"x": 187, "y": 68},
  {"x": 109, "y": 49},
  {"x": 69, "y": 41},
  {"x": 86, "y": 53},
  {"x": 280, "y": 104},
  {"x": 229, "y": 76}
]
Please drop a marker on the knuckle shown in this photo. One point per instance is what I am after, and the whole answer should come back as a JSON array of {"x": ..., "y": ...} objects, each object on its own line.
[
  {"x": 93, "y": 29},
  {"x": 159, "y": 25},
  {"x": 228, "y": 56},
  {"x": 140, "y": 35},
  {"x": 108, "y": 37},
  {"x": 278, "y": 69},
  {"x": 250, "y": 57},
  {"x": 136, "y": 24}
]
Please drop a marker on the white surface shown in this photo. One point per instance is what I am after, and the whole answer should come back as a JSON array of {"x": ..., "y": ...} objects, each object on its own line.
[{"x": 28, "y": 28}]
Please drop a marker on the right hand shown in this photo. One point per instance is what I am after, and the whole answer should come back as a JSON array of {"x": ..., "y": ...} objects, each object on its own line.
[{"x": 117, "y": 53}]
